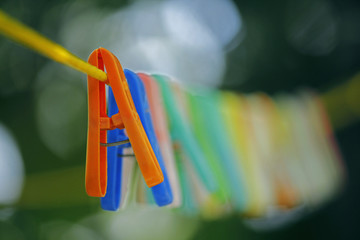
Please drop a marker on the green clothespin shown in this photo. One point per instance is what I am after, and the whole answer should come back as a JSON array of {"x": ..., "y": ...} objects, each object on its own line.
[
  {"x": 209, "y": 107},
  {"x": 180, "y": 132},
  {"x": 204, "y": 134}
]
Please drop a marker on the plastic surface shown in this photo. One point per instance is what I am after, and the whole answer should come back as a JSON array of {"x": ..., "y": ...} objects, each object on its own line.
[
  {"x": 207, "y": 107},
  {"x": 99, "y": 122},
  {"x": 111, "y": 201},
  {"x": 266, "y": 129},
  {"x": 199, "y": 121},
  {"x": 234, "y": 114},
  {"x": 181, "y": 132},
  {"x": 160, "y": 124},
  {"x": 162, "y": 192}
]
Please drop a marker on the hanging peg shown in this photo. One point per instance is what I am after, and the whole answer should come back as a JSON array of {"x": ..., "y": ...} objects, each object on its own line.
[{"x": 99, "y": 123}]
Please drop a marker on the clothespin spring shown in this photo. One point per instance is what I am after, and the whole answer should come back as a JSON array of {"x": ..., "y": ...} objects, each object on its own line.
[
  {"x": 126, "y": 155},
  {"x": 114, "y": 143}
]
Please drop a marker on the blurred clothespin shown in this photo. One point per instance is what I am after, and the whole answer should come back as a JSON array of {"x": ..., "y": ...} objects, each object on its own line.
[
  {"x": 161, "y": 130},
  {"x": 182, "y": 135},
  {"x": 212, "y": 204},
  {"x": 234, "y": 111},
  {"x": 200, "y": 126},
  {"x": 206, "y": 108}
]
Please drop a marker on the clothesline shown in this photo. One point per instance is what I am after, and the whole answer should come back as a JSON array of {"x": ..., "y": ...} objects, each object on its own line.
[{"x": 26, "y": 36}]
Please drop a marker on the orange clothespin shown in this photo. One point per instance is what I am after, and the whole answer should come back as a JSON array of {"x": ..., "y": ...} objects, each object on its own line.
[{"x": 99, "y": 123}]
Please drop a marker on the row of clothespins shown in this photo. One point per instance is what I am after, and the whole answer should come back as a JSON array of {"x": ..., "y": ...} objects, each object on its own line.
[{"x": 204, "y": 151}]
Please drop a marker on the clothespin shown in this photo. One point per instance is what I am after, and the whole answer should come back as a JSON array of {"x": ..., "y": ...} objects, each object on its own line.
[
  {"x": 161, "y": 130},
  {"x": 99, "y": 123},
  {"x": 206, "y": 108},
  {"x": 190, "y": 205},
  {"x": 162, "y": 192},
  {"x": 311, "y": 176},
  {"x": 326, "y": 129},
  {"x": 325, "y": 150},
  {"x": 212, "y": 204},
  {"x": 182, "y": 134},
  {"x": 287, "y": 137},
  {"x": 204, "y": 135},
  {"x": 238, "y": 127},
  {"x": 116, "y": 180},
  {"x": 263, "y": 114}
]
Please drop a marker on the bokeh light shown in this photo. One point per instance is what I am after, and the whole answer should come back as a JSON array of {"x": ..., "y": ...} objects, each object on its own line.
[
  {"x": 312, "y": 26},
  {"x": 61, "y": 109},
  {"x": 11, "y": 168},
  {"x": 164, "y": 36}
]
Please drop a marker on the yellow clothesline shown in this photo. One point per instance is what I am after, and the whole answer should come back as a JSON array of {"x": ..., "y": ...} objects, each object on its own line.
[{"x": 20, "y": 33}]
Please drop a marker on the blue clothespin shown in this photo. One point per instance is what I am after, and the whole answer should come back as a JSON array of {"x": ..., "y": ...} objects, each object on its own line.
[
  {"x": 162, "y": 192},
  {"x": 111, "y": 201}
]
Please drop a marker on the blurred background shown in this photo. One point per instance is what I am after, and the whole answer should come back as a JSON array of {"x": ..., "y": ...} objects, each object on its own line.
[{"x": 243, "y": 46}]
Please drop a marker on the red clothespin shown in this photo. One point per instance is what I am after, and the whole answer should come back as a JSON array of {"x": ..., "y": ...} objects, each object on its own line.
[{"x": 99, "y": 123}]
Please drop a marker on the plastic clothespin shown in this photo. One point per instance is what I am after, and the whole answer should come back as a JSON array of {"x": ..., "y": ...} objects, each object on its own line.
[
  {"x": 314, "y": 180},
  {"x": 204, "y": 135},
  {"x": 114, "y": 191},
  {"x": 238, "y": 127},
  {"x": 317, "y": 159},
  {"x": 322, "y": 126},
  {"x": 190, "y": 204},
  {"x": 162, "y": 192},
  {"x": 181, "y": 133},
  {"x": 99, "y": 122},
  {"x": 207, "y": 120},
  {"x": 161, "y": 130},
  {"x": 212, "y": 204},
  {"x": 288, "y": 136},
  {"x": 267, "y": 131}
]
